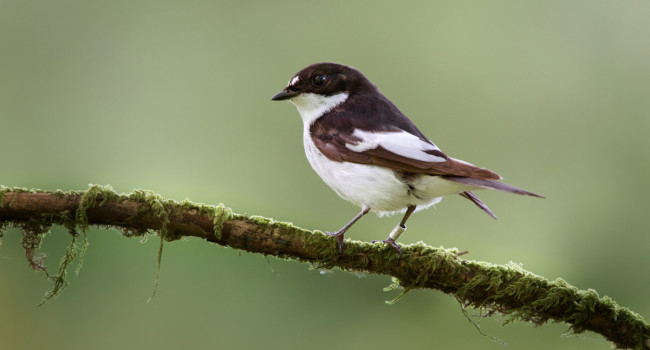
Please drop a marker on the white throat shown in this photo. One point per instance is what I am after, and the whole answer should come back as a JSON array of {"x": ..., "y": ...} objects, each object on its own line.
[{"x": 312, "y": 106}]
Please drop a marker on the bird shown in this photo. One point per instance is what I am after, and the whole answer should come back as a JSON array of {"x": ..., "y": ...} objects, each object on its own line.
[{"x": 371, "y": 154}]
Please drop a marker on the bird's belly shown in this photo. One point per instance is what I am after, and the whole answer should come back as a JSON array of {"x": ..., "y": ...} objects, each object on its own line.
[
  {"x": 372, "y": 186},
  {"x": 437, "y": 186}
]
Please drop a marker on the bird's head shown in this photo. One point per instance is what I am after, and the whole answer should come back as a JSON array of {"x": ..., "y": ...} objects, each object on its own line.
[{"x": 320, "y": 87}]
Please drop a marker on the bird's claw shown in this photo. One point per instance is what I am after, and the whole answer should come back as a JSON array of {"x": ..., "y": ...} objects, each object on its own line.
[
  {"x": 339, "y": 237},
  {"x": 393, "y": 244}
]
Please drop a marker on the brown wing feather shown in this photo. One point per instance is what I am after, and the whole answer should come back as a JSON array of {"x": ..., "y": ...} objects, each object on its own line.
[{"x": 332, "y": 145}]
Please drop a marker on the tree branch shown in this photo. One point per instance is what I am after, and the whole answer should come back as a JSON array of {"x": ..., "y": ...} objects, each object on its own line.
[{"x": 507, "y": 289}]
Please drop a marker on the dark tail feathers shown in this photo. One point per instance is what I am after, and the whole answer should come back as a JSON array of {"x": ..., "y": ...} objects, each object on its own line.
[
  {"x": 472, "y": 197},
  {"x": 489, "y": 184}
]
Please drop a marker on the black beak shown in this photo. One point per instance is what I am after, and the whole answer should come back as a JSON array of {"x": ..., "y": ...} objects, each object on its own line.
[{"x": 284, "y": 95}]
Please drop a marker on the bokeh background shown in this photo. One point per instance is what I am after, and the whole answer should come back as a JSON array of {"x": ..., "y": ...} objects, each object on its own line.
[{"x": 174, "y": 97}]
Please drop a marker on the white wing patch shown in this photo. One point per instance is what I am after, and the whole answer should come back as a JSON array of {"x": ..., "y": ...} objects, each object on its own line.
[{"x": 402, "y": 143}]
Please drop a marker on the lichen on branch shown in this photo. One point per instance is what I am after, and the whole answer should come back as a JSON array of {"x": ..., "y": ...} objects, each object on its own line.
[{"x": 505, "y": 289}]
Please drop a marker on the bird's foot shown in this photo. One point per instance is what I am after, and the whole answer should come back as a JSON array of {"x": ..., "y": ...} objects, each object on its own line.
[
  {"x": 394, "y": 235},
  {"x": 393, "y": 244},
  {"x": 340, "y": 235}
]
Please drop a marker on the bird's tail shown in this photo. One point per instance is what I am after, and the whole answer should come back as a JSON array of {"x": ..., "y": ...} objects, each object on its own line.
[
  {"x": 472, "y": 197},
  {"x": 491, "y": 185}
]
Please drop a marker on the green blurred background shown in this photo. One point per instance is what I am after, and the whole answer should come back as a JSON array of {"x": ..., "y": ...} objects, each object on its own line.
[{"x": 174, "y": 97}]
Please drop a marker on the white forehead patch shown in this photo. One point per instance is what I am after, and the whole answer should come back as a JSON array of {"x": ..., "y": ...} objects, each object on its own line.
[{"x": 293, "y": 81}]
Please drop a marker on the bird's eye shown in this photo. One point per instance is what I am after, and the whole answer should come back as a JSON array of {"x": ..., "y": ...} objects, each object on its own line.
[{"x": 318, "y": 80}]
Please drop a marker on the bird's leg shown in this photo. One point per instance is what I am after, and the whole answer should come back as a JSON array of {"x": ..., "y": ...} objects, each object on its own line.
[
  {"x": 398, "y": 230},
  {"x": 340, "y": 233}
]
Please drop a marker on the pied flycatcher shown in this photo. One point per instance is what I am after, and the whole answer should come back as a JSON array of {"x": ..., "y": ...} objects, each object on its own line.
[{"x": 371, "y": 154}]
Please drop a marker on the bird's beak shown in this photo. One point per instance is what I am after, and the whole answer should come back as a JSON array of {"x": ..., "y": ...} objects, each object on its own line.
[{"x": 284, "y": 95}]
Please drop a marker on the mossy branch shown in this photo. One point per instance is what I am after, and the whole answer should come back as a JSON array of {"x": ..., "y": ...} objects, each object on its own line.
[{"x": 508, "y": 290}]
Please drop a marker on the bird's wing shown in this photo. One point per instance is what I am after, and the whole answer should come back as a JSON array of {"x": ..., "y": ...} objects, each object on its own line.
[{"x": 395, "y": 149}]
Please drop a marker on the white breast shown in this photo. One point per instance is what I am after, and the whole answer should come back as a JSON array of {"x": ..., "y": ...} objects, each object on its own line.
[{"x": 371, "y": 186}]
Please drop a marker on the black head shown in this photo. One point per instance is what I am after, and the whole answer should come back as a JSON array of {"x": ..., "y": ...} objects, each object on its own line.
[{"x": 324, "y": 79}]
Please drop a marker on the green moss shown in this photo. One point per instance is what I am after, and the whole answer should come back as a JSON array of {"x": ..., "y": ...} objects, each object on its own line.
[
  {"x": 314, "y": 238},
  {"x": 95, "y": 196},
  {"x": 3, "y": 224},
  {"x": 60, "y": 279},
  {"x": 261, "y": 220},
  {"x": 165, "y": 210},
  {"x": 3, "y": 192},
  {"x": 59, "y": 193},
  {"x": 75, "y": 250},
  {"x": 159, "y": 262},
  {"x": 524, "y": 296},
  {"x": 221, "y": 215},
  {"x": 67, "y": 220},
  {"x": 162, "y": 209},
  {"x": 429, "y": 261},
  {"x": 16, "y": 190},
  {"x": 393, "y": 286},
  {"x": 33, "y": 233},
  {"x": 82, "y": 252}
]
